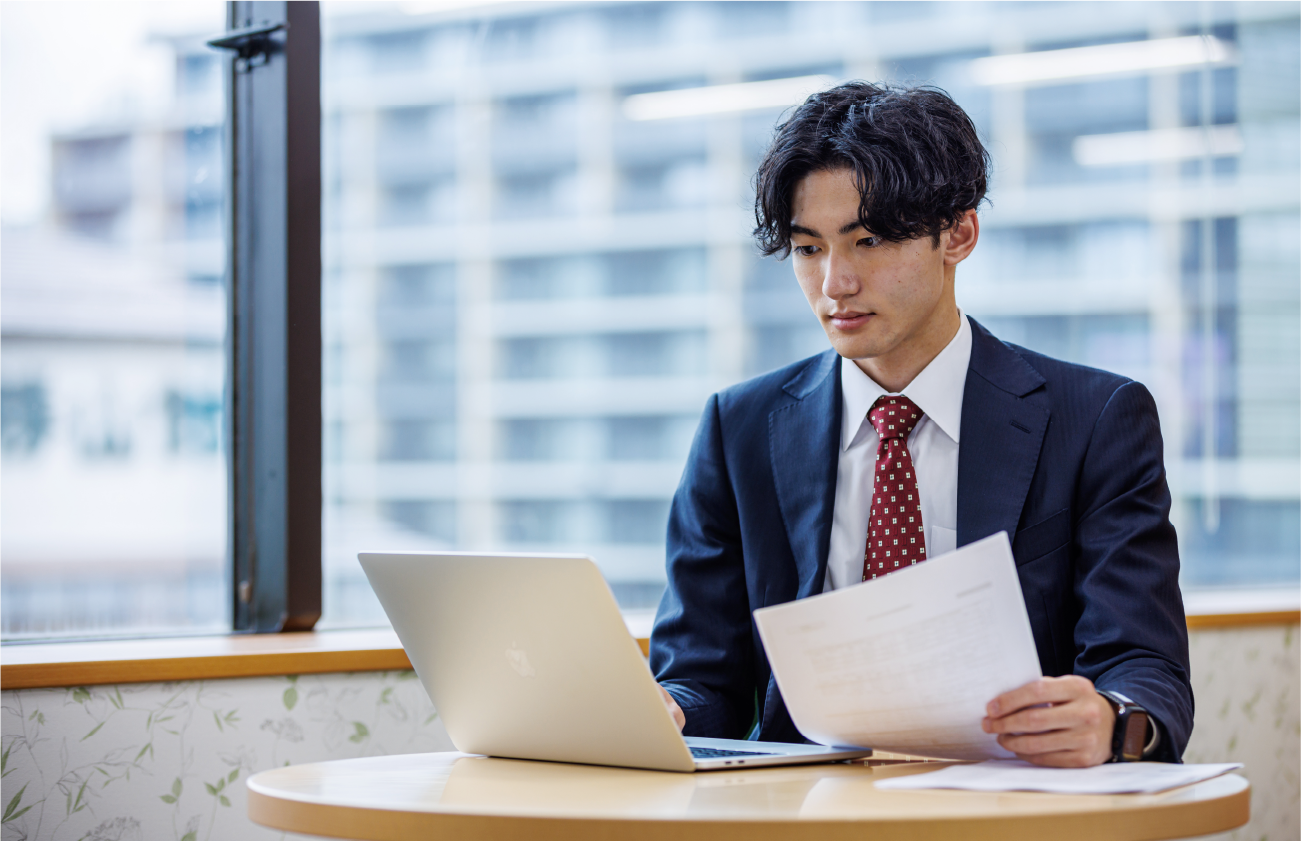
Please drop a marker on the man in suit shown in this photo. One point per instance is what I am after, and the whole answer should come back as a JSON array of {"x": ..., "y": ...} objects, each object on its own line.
[{"x": 872, "y": 191}]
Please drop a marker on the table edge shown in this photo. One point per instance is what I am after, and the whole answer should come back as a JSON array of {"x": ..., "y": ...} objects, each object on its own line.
[{"x": 269, "y": 807}]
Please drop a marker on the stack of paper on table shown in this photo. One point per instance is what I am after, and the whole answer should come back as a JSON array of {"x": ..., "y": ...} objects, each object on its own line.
[
  {"x": 1014, "y": 775},
  {"x": 907, "y": 663}
]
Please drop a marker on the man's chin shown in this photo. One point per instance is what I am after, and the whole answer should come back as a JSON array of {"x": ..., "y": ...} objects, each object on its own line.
[{"x": 855, "y": 350}]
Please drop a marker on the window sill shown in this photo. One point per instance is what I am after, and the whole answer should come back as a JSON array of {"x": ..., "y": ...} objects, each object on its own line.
[
  {"x": 198, "y": 658},
  {"x": 87, "y": 663},
  {"x": 1227, "y": 608},
  {"x": 55, "y": 664}
]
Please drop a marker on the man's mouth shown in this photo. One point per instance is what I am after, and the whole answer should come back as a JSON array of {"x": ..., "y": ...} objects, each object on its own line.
[{"x": 848, "y": 320}]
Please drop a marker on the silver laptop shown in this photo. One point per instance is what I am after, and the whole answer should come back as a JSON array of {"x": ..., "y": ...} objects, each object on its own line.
[{"x": 527, "y": 656}]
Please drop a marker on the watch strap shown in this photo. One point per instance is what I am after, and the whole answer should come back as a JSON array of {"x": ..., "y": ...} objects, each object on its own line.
[{"x": 1129, "y": 738}]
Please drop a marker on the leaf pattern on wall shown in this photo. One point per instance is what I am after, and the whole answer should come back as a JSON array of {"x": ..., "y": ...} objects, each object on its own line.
[
  {"x": 158, "y": 761},
  {"x": 1245, "y": 688}
]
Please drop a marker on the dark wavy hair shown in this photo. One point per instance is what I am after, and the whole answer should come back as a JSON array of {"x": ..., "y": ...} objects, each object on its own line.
[{"x": 917, "y": 161}]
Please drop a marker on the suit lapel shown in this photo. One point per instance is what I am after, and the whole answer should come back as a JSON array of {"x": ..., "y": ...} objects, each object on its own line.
[
  {"x": 1002, "y": 434},
  {"x": 1003, "y": 429},
  {"x": 804, "y": 438}
]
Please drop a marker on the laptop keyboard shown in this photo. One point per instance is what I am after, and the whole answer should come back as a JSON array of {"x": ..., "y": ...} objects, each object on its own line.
[{"x": 714, "y": 753}]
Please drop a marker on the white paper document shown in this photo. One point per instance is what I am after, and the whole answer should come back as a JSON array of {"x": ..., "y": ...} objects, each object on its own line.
[
  {"x": 907, "y": 662},
  {"x": 1015, "y": 775}
]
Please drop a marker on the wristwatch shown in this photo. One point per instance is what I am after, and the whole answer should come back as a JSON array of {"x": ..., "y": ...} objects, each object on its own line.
[{"x": 1135, "y": 734}]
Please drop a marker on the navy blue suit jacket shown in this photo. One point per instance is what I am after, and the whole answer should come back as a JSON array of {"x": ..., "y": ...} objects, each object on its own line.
[{"x": 1066, "y": 459}]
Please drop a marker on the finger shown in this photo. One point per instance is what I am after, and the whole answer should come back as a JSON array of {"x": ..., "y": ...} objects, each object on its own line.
[
  {"x": 1034, "y": 744},
  {"x": 1089, "y": 743},
  {"x": 1042, "y": 719},
  {"x": 1047, "y": 690}
]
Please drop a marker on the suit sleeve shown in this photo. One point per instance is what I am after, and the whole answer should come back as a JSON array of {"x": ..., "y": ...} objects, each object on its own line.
[
  {"x": 701, "y": 646},
  {"x": 1132, "y": 636}
]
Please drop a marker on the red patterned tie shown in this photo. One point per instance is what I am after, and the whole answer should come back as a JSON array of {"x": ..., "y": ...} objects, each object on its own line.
[{"x": 894, "y": 534}]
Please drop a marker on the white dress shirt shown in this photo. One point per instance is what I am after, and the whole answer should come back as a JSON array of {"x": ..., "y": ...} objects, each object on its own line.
[{"x": 933, "y": 443}]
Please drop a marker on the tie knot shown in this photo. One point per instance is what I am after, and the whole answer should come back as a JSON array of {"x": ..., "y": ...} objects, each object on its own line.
[{"x": 894, "y": 416}]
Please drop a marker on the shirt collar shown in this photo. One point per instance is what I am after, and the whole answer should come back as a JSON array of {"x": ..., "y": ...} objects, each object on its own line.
[{"x": 937, "y": 390}]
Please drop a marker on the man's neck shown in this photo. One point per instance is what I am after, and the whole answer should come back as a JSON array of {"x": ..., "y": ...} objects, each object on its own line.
[{"x": 895, "y": 370}]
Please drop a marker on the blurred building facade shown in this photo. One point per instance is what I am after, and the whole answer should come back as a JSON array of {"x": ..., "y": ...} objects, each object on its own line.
[
  {"x": 532, "y": 285},
  {"x": 530, "y": 294},
  {"x": 111, "y": 338}
]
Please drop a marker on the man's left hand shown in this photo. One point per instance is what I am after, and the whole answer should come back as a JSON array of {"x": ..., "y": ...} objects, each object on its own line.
[{"x": 1057, "y": 721}]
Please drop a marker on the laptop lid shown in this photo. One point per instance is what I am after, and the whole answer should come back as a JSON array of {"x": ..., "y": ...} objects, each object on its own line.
[{"x": 527, "y": 656}]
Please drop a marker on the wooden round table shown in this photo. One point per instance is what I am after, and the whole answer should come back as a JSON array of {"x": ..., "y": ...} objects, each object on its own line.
[{"x": 455, "y": 796}]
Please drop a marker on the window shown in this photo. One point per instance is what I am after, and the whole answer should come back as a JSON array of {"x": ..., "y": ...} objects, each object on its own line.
[
  {"x": 636, "y": 521},
  {"x": 736, "y": 20},
  {"x": 536, "y": 439},
  {"x": 536, "y": 194},
  {"x": 649, "y": 438},
  {"x": 511, "y": 38},
  {"x": 635, "y": 24},
  {"x": 113, "y": 376},
  {"x": 663, "y": 185},
  {"x": 531, "y": 286},
  {"x": 398, "y": 51},
  {"x": 418, "y": 286},
  {"x": 144, "y": 397},
  {"x": 25, "y": 417},
  {"x": 662, "y": 272},
  {"x": 591, "y": 280}
]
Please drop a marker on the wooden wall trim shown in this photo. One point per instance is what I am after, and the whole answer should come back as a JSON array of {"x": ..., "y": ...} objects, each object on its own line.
[
  {"x": 198, "y": 658},
  {"x": 1202, "y": 621},
  {"x": 59, "y": 664}
]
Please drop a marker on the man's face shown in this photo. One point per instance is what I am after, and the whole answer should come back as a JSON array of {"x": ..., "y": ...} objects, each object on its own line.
[{"x": 874, "y": 298}]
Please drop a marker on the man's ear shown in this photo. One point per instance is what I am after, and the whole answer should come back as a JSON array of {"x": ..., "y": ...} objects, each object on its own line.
[{"x": 961, "y": 238}]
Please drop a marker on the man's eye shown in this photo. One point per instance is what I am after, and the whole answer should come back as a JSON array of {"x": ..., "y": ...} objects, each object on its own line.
[
  {"x": 806, "y": 250},
  {"x": 870, "y": 242}
]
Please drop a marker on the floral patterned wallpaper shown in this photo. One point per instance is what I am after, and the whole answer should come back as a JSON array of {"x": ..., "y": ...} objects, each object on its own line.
[
  {"x": 1245, "y": 684},
  {"x": 148, "y": 762}
]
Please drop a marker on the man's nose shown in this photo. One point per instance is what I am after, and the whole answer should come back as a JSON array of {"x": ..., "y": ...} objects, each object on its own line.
[{"x": 841, "y": 279}]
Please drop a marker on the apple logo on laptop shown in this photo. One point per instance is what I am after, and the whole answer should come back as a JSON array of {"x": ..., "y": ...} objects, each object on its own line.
[{"x": 519, "y": 661}]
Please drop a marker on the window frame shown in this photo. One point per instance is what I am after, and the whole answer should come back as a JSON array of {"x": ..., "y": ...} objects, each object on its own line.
[{"x": 274, "y": 323}]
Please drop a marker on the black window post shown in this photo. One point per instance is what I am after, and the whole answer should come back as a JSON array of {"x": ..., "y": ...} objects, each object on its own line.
[{"x": 274, "y": 379}]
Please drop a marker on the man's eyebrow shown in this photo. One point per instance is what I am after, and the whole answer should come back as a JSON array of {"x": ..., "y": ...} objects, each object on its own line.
[
  {"x": 847, "y": 228},
  {"x": 808, "y": 232}
]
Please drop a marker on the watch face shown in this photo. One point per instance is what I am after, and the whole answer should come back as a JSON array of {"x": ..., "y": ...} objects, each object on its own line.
[{"x": 1131, "y": 749}]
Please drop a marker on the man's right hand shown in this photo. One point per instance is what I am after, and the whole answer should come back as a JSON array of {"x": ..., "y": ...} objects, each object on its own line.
[{"x": 679, "y": 717}]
